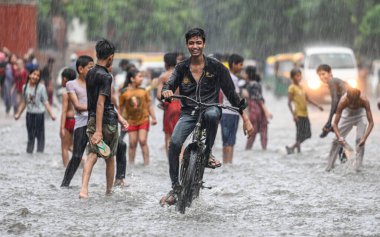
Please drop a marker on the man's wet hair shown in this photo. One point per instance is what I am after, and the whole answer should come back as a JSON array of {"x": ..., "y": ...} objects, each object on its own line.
[
  {"x": 104, "y": 49},
  {"x": 180, "y": 54},
  {"x": 353, "y": 94},
  {"x": 252, "y": 75},
  {"x": 130, "y": 67},
  {"x": 170, "y": 59},
  {"x": 324, "y": 67},
  {"x": 83, "y": 61},
  {"x": 234, "y": 59},
  {"x": 123, "y": 63},
  {"x": 294, "y": 72},
  {"x": 69, "y": 74},
  {"x": 195, "y": 32}
]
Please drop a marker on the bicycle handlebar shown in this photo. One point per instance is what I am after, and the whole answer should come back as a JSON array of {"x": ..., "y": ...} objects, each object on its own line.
[{"x": 204, "y": 104}]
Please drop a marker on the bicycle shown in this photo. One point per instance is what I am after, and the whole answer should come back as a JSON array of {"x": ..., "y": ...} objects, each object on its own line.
[{"x": 194, "y": 162}]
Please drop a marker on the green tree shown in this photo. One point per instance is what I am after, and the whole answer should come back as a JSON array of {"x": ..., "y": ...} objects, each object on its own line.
[
  {"x": 370, "y": 32},
  {"x": 132, "y": 24},
  {"x": 253, "y": 28}
]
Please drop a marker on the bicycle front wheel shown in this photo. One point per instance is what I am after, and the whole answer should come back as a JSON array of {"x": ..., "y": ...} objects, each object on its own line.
[
  {"x": 187, "y": 179},
  {"x": 200, "y": 169}
]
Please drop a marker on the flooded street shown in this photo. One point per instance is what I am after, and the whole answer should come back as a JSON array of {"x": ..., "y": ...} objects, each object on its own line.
[{"x": 262, "y": 194}]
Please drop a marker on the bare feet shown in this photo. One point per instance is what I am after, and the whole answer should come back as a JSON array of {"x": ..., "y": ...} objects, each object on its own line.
[
  {"x": 109, "y": 192},
  {"x": 119, "y": 182},
  {"x": 83, "y": 195},
  {"x": 329, "y": 168}
]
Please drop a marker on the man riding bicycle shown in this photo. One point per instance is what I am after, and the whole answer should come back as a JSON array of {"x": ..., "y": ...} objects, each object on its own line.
[{"x": 199, "y": 78}]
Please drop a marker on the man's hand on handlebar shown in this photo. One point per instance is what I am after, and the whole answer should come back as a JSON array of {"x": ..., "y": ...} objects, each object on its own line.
[{"x": 167, "y": 94}]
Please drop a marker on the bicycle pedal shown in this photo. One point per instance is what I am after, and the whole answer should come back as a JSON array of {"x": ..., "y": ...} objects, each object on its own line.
[{"x": 203, "y": 187}]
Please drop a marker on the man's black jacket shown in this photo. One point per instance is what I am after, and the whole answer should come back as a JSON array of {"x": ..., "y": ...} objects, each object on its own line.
[{"x": 215, "y": 76}]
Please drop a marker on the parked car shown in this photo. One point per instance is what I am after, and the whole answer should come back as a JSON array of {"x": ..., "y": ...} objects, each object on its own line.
[{"x": 342, "y": 61}]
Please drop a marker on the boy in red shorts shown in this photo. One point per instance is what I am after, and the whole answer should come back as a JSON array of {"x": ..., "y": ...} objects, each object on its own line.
[
  {"x": 171, "y": 110},
  {"x": 67, "y": 117}
]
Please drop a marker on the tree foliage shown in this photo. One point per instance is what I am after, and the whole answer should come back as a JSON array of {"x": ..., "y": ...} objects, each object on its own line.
[
  {"x": 132, "y": 24},
  {"x": 254, "y": 28},
  {"x": 370, "y": 31}
]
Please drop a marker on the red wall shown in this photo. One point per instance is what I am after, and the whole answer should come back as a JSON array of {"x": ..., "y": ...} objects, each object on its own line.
[{"x": 18, "y": 27}]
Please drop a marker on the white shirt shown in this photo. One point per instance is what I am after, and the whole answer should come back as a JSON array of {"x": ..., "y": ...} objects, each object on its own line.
[
  {"x": 235, "y": 80},
  {"x": 81, "y": 93}
]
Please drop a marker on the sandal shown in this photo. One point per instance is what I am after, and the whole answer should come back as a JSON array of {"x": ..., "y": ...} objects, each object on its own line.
[
  {"x": 213, "y": 163},
  {"x": 103, "y": 149},
  {"x": 169, "y": 199}
]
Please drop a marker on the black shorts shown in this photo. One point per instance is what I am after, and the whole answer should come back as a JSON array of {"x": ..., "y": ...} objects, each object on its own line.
[{"x": 303, "y": 129}]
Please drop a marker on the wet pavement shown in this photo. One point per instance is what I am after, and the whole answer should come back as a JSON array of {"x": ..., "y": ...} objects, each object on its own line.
[{"x": 262, "y": 194}]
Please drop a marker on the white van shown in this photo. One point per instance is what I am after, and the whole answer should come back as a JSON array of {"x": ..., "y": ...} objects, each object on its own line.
[{"x": 341, "y": 60}]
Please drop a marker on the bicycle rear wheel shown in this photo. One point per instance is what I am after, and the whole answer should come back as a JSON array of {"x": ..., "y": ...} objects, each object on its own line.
[{"x": 187, "y": 179}]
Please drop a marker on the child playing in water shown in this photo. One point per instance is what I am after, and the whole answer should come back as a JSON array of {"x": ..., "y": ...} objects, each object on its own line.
[
  {"x": 337, "y": 88},
  {"x": 258, "y": 112},
  {"x": 35, "y": 101},
  {"x": 103, "y": 119},
  {"x": 77, "y": 94},
  {"x": 299, "y": 98},
  {"x": 352, "y": 110},
  {"x": 67, "y": 117},
  {"x": 172, "y": 110},
  {"x": 136, "y": 103}
]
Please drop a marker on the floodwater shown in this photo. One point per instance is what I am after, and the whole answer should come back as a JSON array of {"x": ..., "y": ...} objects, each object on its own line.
[{"x": 261, "y": 194}]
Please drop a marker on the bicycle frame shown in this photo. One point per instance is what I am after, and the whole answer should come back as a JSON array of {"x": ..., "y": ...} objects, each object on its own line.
[{"x": 194, "y": 160}]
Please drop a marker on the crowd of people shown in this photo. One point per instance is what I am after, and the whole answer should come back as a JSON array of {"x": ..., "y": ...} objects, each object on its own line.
[
  {"x": 94, "y": 103},
  {"x": 14, "y": 72}
]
